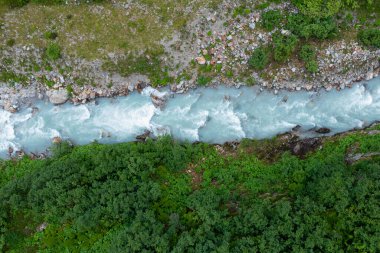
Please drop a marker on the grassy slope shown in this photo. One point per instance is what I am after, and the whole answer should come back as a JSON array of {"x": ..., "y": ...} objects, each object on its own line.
[{"x": 92, "y": 31}]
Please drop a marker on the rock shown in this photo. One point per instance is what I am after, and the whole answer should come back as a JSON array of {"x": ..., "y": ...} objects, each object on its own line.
[
  {"x": 57, "y": 140},
  {"x": 144, "y": 136},
  {"x": 10, "y": 151},
  {"x": 369, "y": 76},
  {"x": 57, "y": 97},
  {"x": 42, "y": 227},
  {"x": 140, "y": 86},
  {"x": 374, "y": 132},
  {"x": 323, "y": 130},
  {"x": 352, "y": 158},
  {"x": 286, "y": 32},
  {"x": 201, "y": 60},
  {"x": 157, "y": 101},
  {"x": 8, "y": 106},
  {"x": 301, "y": 148},
  {"x": 252, "y": 26}
]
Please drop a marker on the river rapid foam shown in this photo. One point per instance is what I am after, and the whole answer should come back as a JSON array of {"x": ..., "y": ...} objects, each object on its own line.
[{"x": 214, "y": 115}]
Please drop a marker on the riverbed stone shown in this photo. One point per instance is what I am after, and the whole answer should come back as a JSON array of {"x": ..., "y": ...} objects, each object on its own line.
[{"x": 58, "y": 97}]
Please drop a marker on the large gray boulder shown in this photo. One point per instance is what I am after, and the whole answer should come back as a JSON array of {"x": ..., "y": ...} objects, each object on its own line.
[{"x": 57, "y": 97}]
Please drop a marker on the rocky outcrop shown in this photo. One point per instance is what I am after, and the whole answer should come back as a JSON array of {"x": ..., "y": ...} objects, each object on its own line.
[
  {"x": 144, "y": 136},
  {"x": 352, "y": 158}
]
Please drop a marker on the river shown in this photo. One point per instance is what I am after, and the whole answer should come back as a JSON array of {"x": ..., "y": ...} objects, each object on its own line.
[{"x": 213, "y": 115}]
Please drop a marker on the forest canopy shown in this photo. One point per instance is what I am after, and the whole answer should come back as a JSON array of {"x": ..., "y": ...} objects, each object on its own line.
[{"x": 165, "y": 196}]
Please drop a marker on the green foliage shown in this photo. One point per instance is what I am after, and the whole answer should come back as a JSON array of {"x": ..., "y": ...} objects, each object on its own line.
[
  {"x": 370, "y": 37},
  {"x": 11, "y": 42},
  {"x": 307, "y": 53},
  {"x": 312, "y": 28},
  {"x": 312, "y": 66},
  {"x": 51, "y": 35},
  {"x": 284, "y": 46},
  {"x": 241, "y": 11},
  {"x": 162, "y": 196},
  {"x": 259, "y": 59},
  {"x": 203, "y": 80},
  {"x": 148, "y": 64},
  {"x": 319, "y": 8},
  {"x": 271, "y": 19},
  {"x": 12, "y": 77},
  {"x": 327, "y": 8},
  {"x": 53, "y": 52}
]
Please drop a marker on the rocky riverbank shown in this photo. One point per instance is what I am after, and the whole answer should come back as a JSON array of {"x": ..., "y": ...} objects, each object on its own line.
[{"x": 213, "y": 41}]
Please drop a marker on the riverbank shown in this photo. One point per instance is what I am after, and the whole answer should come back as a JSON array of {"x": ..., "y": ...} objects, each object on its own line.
[
  {"x": 207, "y": 45},
  {"x": 210, "y": 114}
]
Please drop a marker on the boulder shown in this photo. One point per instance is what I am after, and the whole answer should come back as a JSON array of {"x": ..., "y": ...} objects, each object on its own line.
[
  {"x": 144, "y": 136},
  {"x": 57, "y": 140},
  {"x": 58, "y": 97},
  {"x": 302, "y": 147},
  {"x": 323, "y": 130}
]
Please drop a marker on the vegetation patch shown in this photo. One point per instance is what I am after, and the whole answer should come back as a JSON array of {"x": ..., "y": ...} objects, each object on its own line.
[
  {"x": 162, "y": 196},
  {"x": 53, "y": 52},
  {"x": 259, "y": 59},
  {"x": 370, "y": 37}
]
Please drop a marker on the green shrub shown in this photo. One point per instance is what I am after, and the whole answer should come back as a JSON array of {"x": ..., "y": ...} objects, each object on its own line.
[
  {"x": 15, "y": 3},
  {"x": 312, "y": 66},
  {"x": 271, "y": 19},
  {"x": 284, "y": 46},
  {"x": 317, "y": 28},
  {"x": 51, "y": 35},
  {"x": 11, "y": 42},
  {"x": 241, "y": 11},
  {"x": 53, "y": 52},
  {"x": 370, "y": 37},
  {"x": 307, "y": 53},
  {"x": 203, "y": 80},
  {"x": 259, "y": 59}
]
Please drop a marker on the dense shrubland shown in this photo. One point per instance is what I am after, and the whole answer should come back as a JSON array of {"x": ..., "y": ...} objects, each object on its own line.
[{"x": 163, "y": 196}]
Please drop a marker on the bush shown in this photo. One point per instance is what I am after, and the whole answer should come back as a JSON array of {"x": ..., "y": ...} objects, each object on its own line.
[
  {"x": 312, "y": 66},
  {"x": 271, "y": 19},
  {"x": 51, "y": 35},
  {"x": 370, "y": 37},
  {"x": 307, "y": 53},
  {"x": 53, "y": 52},
  {"x": 318, "y": 8},
  {"x": 203, "y": 80},
  {"x": 284, "y": 46},
  {"x": 15, "y": 3},
  {"x": 11, "y": 42},
  {"x": 306, "y": 27},
  {"x": 259, "y": 59}
]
